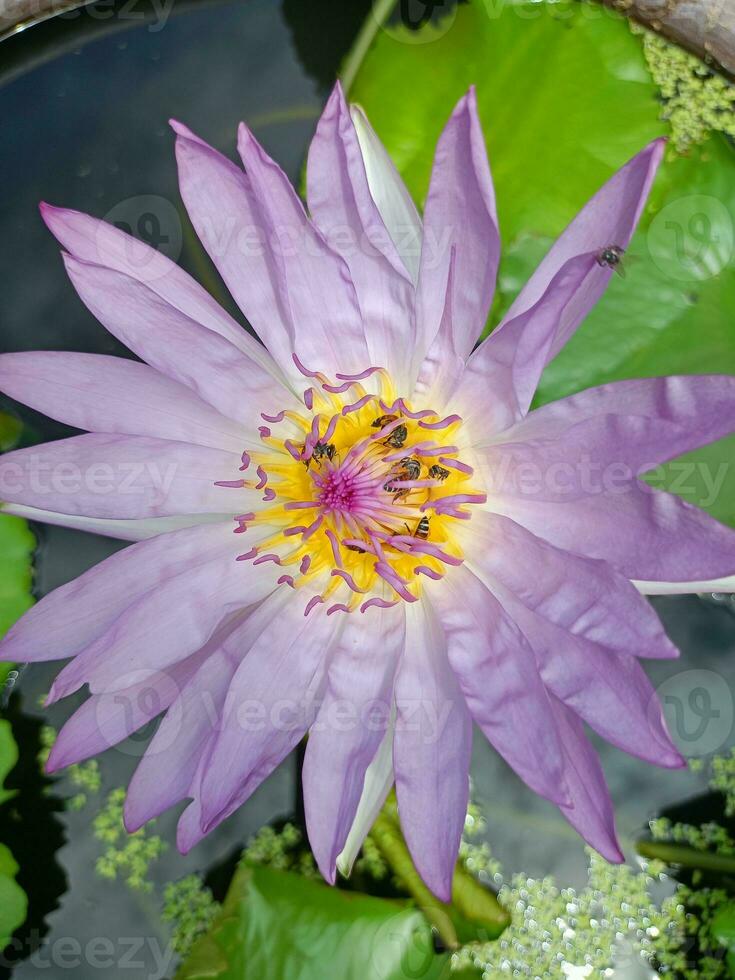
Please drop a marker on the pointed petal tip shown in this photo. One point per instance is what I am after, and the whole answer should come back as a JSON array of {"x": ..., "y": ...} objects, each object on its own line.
[
  {"x": 247, "y": 144},
  {"x": 211, "y": 814},
  {"x": 134, "y": 817},
  {"x": 344, "y": 866},
  {"x": 56, "y": 761},
  {"x": 467, "y": 104},
  {"x": 180, "y": 129},
  {"x": 188, "y": 833},
  {"x": 357, "y": 111},
  {"x": 49, "y": 210},
  {"x": 130, "y": 824},
  {"x": 441, "y": 887},
  {"x": 657, "y": 148},
  {"x": 612, "y": 853},
  {"x": 330, "y": 876},
  {"x": 52, "y": 216},
  {"x": 244, "y": 138},
  {"x": 55, "y": 693},
  {"x": 184, "y": 843}
]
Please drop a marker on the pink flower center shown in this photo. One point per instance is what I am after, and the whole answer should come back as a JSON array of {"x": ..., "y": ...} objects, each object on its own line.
[
  {"x": 362, "y": 492},
  {"x": 342, "y": 490}
]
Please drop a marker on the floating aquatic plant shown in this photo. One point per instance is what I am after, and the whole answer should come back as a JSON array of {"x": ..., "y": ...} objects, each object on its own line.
[
  {"x": 83, "y": 776},
  {"x": 127, "y": 856},
  {"x": 190, "y": 909},
  {"x": 696, "y": 100}
]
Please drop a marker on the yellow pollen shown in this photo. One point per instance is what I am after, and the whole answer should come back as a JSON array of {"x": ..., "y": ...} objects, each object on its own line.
[{"x": 363, "y": 494}]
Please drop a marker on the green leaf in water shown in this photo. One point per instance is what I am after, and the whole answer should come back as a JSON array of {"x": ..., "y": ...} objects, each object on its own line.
[
  {"x": 566, "y": 98},
  {"x": 723, "y": 930},
  {"x": 279, "y": 924},
  {"x": 8, "y": 757},
  {"x": 10, "y": 431},
  {"x": 17, "y": 545},
  {"x": 13, "y": 900}
]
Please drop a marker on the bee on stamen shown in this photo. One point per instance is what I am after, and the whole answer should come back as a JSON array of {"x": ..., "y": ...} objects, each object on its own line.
[
  {"x": 322, "y": 450},
  {"x": 382, "y": 421},
  {"x": 354, "y": 547},
  {"x": 397, "y": 437},
  {"x": 409, "y": 468},
  {"x": 437, "y": 472},
  {"x": 422, "y": 529}
]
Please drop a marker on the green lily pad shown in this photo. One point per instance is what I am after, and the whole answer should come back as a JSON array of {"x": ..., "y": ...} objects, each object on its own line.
[
  {"x": 723, "y": 930},
  {"x": 8, "y": 757},
  {"x": 10, "y": 431},
  {"x": 278, "y": 924},
  {"x": 565, "y": 99},
  {"x": 17, "y": 545},
  {"x": 13, "y": 901}
]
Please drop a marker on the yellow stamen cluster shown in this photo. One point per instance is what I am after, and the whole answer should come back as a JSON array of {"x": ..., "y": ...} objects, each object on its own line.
[{"x": 363, "y": 494}]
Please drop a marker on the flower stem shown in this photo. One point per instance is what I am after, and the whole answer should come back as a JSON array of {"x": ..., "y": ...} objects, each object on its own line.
[
  {"x": 379, "y": 13},
  {"x": 686, "y": 857},
  {"x": 474, "y": 913}
]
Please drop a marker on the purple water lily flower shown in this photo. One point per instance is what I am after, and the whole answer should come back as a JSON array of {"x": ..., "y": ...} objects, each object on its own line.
[{"x": 357, "y": 529}]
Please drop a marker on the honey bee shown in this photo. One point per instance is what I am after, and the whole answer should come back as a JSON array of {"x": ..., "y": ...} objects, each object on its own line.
[
  {"x": 397, "y": 437},
  {"x": 322, "y": 449},
  {"x": 382, "y": 421},
  {"x": 408, "y": 468},
  {"x": 354, "y": 547},
  {"x": 612, "y": 257},
  {"x": 422, "y": 529},
  {"x": 437, "y": 472}
]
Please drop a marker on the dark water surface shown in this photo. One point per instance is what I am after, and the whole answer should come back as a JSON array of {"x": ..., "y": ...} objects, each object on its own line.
[{"x": 87, "y": 128}]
